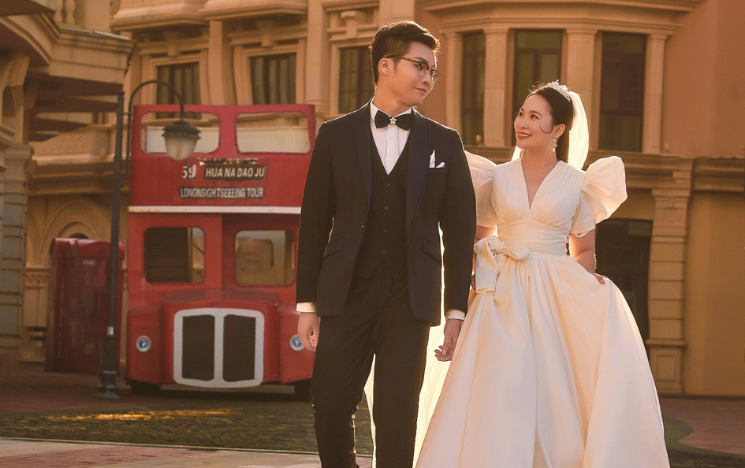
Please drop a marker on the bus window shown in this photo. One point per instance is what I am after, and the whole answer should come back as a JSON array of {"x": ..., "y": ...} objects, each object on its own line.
[
  {"x": 174, "y": 255},
  {"x": 151, "y": 132},
  {"x": 276, "y": 132},
  {"x": 264, "y": 258}
]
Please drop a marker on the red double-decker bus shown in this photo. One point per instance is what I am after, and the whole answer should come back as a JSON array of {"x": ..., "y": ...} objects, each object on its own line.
[{"x": 213, "y": 247}]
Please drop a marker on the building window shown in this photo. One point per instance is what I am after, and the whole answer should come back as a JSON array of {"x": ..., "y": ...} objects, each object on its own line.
[
  {"x": 472, "y": 87},
  {"x": 622, "y": 247},
  {"x": 185, "y": 78},
  {"x": 273, "y": 79},
  {"x": 174, "y": 255},
  {"x": 356, "y": 82},
  {"x": 537, "y": 60},
  {"x": 622, "y": 92}
]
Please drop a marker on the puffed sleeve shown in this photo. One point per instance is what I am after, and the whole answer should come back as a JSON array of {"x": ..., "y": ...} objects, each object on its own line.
[
  {"x": 482, "y": 174},
  {"x": 603, "y": 191}
]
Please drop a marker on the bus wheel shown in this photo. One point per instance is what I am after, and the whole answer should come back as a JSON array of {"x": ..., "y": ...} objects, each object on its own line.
[
  {"x": 302, "y": 390},
  {"x": 142, "y": 388}
]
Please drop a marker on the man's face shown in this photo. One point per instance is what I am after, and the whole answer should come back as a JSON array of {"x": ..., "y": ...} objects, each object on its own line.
[{"x": 405, "y": 81}]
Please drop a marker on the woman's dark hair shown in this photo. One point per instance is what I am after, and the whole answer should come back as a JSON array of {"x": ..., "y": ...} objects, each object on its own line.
[
  {"x": 395, "y": 39},
  {"x": 562, "y": 112}
]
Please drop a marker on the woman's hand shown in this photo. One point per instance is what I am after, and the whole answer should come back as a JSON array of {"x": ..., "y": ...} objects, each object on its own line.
[
  {"x": 452, "y": 330},
  {"x": 582, "y": 249}
]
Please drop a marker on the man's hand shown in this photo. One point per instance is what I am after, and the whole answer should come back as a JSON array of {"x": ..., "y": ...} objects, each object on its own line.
[
  {"x": 308, "y": 329},
  {"x": 452, "y": 330}
]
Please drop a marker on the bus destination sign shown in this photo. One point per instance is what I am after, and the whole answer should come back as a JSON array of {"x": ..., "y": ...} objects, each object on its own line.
[{"x": 233, "y": 169}]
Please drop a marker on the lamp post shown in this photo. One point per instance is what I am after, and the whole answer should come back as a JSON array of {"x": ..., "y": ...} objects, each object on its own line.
[{"x": 180, "y": 138}]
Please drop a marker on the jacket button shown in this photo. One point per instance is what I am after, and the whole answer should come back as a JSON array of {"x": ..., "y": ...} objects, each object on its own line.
[
  {"x": 363, "y": 226},
  {"x": 385, "y": 207},
  {"x": 383, "y": 252}
]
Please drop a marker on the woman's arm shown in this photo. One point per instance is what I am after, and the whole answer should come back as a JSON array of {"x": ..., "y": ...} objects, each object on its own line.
[
  {"x": 582, "y": 249},
  {"x": 481, "y": 232}
]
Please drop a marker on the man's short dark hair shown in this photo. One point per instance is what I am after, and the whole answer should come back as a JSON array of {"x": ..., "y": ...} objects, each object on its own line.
[{"x": 396, "y": 38}]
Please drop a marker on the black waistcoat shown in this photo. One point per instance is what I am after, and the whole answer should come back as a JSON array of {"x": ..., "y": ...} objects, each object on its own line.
[{"x": 385, "y": 234}]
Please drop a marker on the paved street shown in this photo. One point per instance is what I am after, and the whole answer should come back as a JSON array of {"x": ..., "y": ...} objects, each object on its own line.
[
  {"x": 17, "y": 454},
  {"x": 266, "y": 428}
]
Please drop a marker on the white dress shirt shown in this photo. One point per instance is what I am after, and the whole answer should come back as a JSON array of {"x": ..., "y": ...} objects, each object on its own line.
[{"x": 390, "y": 142}]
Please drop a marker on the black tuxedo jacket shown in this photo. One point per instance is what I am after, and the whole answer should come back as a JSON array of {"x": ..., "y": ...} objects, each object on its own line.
[{"x": 335, "y": 210}]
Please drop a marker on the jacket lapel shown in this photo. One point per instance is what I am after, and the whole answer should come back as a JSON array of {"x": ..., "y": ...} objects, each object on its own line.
[
  {"x": 363, "y": 139},
  {"x": 417, "y": 170}
]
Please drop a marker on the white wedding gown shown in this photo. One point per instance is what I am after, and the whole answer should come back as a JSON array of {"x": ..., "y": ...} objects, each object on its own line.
[{"x": 550, "y": 370}]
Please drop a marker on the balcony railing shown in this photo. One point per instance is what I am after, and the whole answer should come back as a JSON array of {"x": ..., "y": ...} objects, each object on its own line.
[
  {"x": 65, "y": 12},
  {"x": 82, "y": 14}
]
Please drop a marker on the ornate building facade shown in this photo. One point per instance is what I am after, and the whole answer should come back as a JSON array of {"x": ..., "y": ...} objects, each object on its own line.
[
  {"x": 660, "y": 79},
  {"x": 60, "y": 66}
]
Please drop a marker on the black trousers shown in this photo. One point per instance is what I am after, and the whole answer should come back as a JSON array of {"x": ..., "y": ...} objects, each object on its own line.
[{"x": 376, "y": 320}]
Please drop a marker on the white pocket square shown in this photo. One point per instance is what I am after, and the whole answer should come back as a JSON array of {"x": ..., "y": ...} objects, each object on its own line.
[{"x": 432, "y": 162}]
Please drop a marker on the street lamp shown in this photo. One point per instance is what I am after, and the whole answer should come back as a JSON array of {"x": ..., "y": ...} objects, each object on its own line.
[{"x": 180, "y": 138}]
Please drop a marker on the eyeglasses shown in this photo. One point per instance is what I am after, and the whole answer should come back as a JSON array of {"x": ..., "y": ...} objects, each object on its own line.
[{"x": 421, "y": 65}]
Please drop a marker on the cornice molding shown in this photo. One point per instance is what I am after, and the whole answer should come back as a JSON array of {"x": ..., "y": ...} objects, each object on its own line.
[
  {"x": 682, "y": 6},
  {"x": 726, "y": 174},
  {"x": 26, "y": 7},
  {"x": 31, "y": 34},
  {"x": 74, "y": 179},
  {"x": 342, "y": 5},
  {"x": 244, "y": 9},
  {"x": 636, "y": 17},
  {"x": 134, "y": 15}
]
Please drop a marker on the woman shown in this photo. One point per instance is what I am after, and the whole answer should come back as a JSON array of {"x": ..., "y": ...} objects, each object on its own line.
[{"x": 549, "y": 369}]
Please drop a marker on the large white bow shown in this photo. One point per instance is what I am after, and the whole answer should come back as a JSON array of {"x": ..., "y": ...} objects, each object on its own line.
[{"x": 490, "y": 252}]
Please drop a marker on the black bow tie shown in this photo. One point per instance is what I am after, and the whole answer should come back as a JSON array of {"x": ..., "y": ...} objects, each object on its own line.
[{"x": 403, "y": 121}]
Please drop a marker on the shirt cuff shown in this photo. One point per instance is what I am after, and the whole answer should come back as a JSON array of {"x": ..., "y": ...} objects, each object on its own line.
[
  {"x": 306, "y": 307},
  {"x": 455, "y": 314}
]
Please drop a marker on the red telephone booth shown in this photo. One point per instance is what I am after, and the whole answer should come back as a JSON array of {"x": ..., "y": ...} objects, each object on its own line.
[{"x": 78, "y": 304}]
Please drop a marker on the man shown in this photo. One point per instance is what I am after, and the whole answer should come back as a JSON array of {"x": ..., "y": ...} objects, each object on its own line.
[{"x": 382, "y": 181}]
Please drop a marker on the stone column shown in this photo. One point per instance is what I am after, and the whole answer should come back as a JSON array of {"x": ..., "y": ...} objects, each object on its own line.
[
  {"x": 13, "y": 70},
  {"x": 667, "y": 282},
  {"x": 316, "y": 64},
  {"x": 8, "y": 321},
  {"x": 395, "y": 10},
  {"x": 302, "y": 53},
  {"x": 495, "y": 86},
  {"x": 580, "y": 67},
  {"x": 653, "y": 81},
  {"x": 15, "y": 200},
  {"x": 454, "y": 78},
  {"x": 220, "y": 66}
]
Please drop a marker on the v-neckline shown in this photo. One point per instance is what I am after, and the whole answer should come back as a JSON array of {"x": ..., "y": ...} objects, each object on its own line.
[{"x": 538, "y": 190}]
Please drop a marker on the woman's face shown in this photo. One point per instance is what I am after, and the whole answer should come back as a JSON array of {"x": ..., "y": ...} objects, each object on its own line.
[{"x": 534, "y": 126}]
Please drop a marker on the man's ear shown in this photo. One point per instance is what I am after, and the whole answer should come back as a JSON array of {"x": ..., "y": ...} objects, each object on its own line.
[{"x": 384, "y": 67}]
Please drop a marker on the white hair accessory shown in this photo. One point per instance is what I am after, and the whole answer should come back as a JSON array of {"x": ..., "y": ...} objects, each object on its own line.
[{"x": 560, "y": 88}]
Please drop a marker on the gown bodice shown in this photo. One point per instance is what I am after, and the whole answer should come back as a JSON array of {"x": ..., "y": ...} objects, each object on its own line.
[{"x": 568, "y": 201}]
